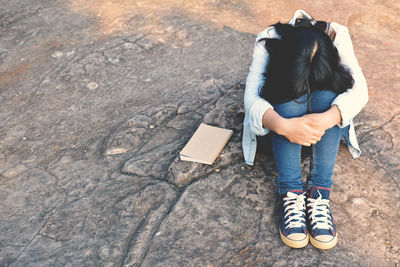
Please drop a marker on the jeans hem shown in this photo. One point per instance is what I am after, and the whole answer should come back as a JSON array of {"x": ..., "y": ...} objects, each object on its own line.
[{"x": 284, "y": 190}]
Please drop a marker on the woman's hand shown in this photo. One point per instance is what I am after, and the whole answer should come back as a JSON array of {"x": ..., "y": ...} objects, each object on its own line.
[
  {"x": 327, "y": 119},
  {"x": 301, "y": 130}
]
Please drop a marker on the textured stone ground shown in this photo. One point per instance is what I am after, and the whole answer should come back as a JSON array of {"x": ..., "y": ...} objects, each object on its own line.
[{"x": 97, "y": 98}]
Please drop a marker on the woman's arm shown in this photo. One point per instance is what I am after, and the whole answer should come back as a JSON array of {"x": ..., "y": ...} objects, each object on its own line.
[
  {"x": 348, "y": 104},
  {"x": 354, "y": 99},
  {"x": 255, "y": 105},
  {"x": 300, "y": 130}
]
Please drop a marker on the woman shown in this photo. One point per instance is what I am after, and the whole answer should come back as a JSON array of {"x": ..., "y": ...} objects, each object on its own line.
[{"x": 318, "y": 118}]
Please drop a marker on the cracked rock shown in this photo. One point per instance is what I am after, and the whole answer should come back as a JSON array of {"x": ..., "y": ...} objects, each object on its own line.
[
  {"x": 229, "y": 111},
  {"x": 129, "y": 136},
  {"x": 154, "y": 163},
  {"x": 156, "y": 73},
  {"x": 182, "y": 173},
  {"x": 105, "y": 225},
  {"x": 228, "y": 218}
]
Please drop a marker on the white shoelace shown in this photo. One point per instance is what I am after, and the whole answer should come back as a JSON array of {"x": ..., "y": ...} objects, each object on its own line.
[
  {"x": 296, "y": 206},
  {"x": 320, "y": 214}
]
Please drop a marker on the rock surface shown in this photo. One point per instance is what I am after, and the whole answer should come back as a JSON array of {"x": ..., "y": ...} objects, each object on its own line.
[{"x": 97, "y": 98}]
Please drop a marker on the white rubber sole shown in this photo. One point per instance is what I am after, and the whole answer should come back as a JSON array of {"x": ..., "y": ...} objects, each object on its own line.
[
  {"x": 294, "y": 243},
  {"x": 324, "y": 244}
]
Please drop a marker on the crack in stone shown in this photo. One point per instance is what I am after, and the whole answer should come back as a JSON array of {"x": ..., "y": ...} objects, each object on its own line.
[
  {"x": 140, "y": 153},
  {"x": 387, "y": 172},
  {"x": 229, "y": 186},
  {"x": 143, "y": 222},
  {"x": 30, "y": 242},
  {"x": 136, "y": 40},
  {"x": 65, "y": 204},
  {"x": 138, "y": 149},
  {"x": 391, "y": 139},
  {"x": 158, "y": 227},
  {"x": 37, "y": 88},
  {"x": 386, "y": 132},
  {"x": 103, "y": 144},
  {"x": 390, "y": 121},
  {"x": 60, "y": 67},
  {"x": 106, "y": 59},
  {"x": 204, "y": 175},
  {"x": 147, "y": 49},
  {"x": 46, "y": 170},
  {"x": 381, "y": 126},
  {"x": 377, "y": 163},
  {"x": 53, "y": 238},
  {"x": 180, "y": 190},
  {"x": 19, "y": 16},
  {"x": 166, "y": 180},
  {"x": 131, "y": 237},
  {"x": 219, "y": 89},
  {"x": 123, "y": 41}
]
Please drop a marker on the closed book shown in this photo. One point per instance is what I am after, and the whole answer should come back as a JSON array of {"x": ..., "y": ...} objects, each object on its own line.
[{"x": 206, "y": 144}]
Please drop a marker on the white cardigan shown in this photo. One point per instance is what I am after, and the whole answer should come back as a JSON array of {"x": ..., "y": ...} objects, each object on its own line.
[{"x": 349, "y": 103}]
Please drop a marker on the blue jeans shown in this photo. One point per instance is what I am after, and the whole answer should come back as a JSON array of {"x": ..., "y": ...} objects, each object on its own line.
[{"x": 287, "y": 154}]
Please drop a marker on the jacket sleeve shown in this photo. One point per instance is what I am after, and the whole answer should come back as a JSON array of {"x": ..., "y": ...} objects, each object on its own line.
[
  {"x": 255, "y": 105},
  {"x": 353, "y": 99}
]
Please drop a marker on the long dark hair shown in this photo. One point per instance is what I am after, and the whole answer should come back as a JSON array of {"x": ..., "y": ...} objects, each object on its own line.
[{"x": 303, "y": 54}]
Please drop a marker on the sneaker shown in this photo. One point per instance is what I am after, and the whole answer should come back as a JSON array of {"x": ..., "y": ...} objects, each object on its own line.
[
  {"x": 293, "y": 229},
  {"x": 320, "y": 221}
]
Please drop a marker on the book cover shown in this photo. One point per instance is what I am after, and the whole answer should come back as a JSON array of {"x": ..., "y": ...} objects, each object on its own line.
[{"x": 206, "y": 144}]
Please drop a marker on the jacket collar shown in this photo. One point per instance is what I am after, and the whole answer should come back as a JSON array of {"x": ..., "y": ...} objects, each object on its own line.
[{"x": 299, "y": 13}]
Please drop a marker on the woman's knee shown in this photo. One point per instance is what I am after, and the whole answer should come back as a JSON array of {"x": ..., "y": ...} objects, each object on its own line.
[
  {"x": 291, "y": 109},
  {"x": 321, "y": 100}
]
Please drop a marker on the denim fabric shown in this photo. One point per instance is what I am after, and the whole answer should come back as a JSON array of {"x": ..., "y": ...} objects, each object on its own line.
[{"x": 287, "y": 154}]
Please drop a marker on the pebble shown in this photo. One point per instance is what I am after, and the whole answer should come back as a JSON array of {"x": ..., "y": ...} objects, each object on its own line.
[
  {"x": 70, "y": 53},
  {"x": 57, "y": 54},
  {"x": 92, "y": 85},
  {"x": 14, "y": 171},
  {"x": 116, "y": 151},
  {"x": 128, "y": 45},
  {"x": 388, "y": 244},
  {"x": 170, "y": 29},
  {"x": 184, "y": 109},
  {"x": 114, "y": 61},
  {"x": 375, "y": 212},
  {"x": 181, "y": 35},
  {"x": 161, "y": 40},
  {"x": 217, "y": 170}
]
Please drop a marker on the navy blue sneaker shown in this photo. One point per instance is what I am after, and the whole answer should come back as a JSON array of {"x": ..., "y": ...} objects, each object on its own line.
[
  {"x": 293, "y": 228},
  {"x": 320, "y": 221}
]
